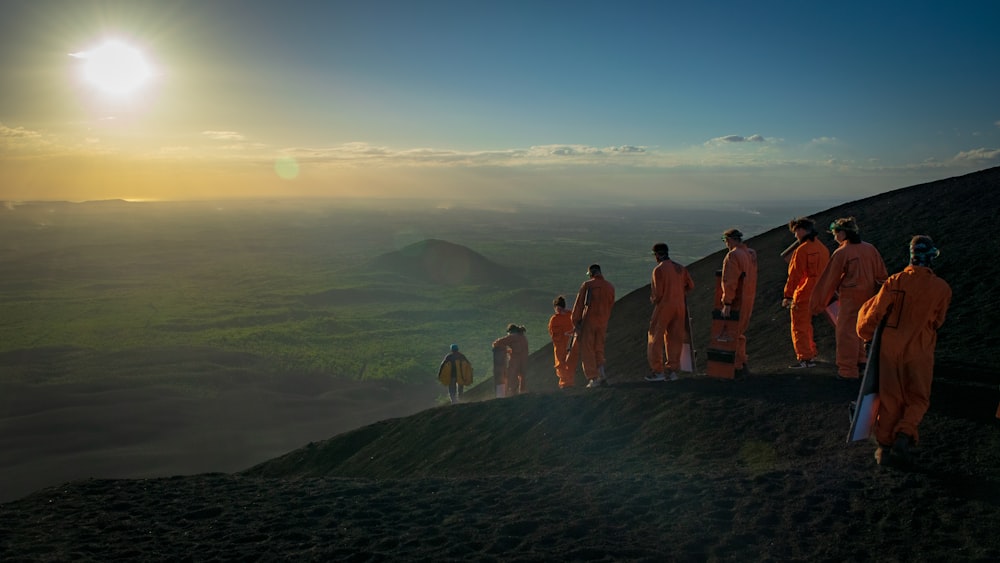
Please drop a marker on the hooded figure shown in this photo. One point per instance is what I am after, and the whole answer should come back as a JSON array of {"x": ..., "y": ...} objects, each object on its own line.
[
  {"x": 456, "y": 373},
  {"x": 913, "y": 304}
]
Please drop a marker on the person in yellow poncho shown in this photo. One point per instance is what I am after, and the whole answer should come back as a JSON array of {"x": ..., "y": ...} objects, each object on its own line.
[{"x": 456, "y": 373}]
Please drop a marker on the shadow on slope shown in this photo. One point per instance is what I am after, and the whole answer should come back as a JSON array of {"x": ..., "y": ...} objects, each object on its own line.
[{"x": 697, "y": 425}]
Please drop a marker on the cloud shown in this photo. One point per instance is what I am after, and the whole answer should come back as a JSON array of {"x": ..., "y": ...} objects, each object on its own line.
[
  {"x": 726, "y": 139},
  {"x": 18, "y": 133},
  {"x": 21, "y": 140},
  {"x": 224, "y": 135},
  {"x": 363, "y": 153},
  {"x": 979, "y": 155}
]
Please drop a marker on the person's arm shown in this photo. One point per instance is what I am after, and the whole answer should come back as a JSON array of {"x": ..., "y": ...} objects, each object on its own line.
[
  {"x": 828, "y": 282},
  {"x": 872, "y": 312}
]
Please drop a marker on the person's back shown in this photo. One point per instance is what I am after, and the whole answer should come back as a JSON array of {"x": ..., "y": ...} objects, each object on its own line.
[
  {"x": 591, "y": 313},
  {"x": 669, "y": 287},
  {"x": 455, "y": 372},
  {"x": 807, "y": 264},
  {"x": 516, "y": 342},
  {"x": 911, "y": 306},
  {"x": 855, "y": 273},
  {"x": 920, "y": 301},
  {"x": 861, "y": 267},
  {"x": 560, "y": 329},
  {"x": 594, "y": 302}
]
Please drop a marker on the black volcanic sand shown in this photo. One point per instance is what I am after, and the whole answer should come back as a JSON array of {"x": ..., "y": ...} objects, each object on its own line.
[{"x": 695, "y": 470}]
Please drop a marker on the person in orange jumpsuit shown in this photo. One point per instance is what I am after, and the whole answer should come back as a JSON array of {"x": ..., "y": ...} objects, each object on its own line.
[
  {"x": 805, "y": 265},
  {"x": 739, "y": 287},
  {"x": 560, "y": 329},
  {"x": 855, "y": 273},
  {"x": 516, "y": 344},
  {"x": 913, "y": 303},
  {"x": 591, "y": 313},
  {"x": 669, "y": 287}
]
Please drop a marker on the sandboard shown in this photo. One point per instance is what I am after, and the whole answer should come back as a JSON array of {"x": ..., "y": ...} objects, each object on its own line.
[
  {"x": 721, "y": 352},
  {"x": 687, "y": 351},
  {"x": 865, "y": 408},
  {"x": 833, "y": 309}
]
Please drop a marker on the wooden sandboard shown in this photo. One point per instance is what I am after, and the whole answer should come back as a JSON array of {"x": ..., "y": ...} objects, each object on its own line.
[
  {"x": 687, "y": 351},
  {"x": 866, "y": 406},
  {"x": 721, "y": 352}
]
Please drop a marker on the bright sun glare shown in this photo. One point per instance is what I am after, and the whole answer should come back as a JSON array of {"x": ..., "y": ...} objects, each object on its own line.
[{"x": 115, "y": 68}]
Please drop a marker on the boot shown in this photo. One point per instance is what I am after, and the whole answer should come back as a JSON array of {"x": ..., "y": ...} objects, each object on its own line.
[
  {"x": 902, "y": 449},
  {"x": 501, "y": 391}
]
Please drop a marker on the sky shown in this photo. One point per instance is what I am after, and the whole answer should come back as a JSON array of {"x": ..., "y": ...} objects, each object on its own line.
[{"x": 627, "y": 102}]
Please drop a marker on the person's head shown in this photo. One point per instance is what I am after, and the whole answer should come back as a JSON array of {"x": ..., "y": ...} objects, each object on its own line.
[
  {"x": 559, "y": 302},
  {"x": 454, "y": 347},
  {"x": 803, "y": 228},
  {"x": 594, "y": 270},
  {"x": 922, "y": 251},
  {"x": 512, "y": 328},
  {"x": 661, "y": 251},
  {"x": 846, "y": 228},
  {"x": 732, "y": 238}
]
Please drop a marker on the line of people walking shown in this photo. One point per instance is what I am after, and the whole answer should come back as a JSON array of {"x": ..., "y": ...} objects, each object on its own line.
[{"x": 850, "y": 285}]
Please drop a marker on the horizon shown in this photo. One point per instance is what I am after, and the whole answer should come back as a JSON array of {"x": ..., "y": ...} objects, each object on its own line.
[{"x": 537, "y": 104}]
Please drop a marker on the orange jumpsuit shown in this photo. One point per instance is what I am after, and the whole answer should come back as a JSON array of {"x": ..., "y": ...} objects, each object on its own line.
[
  {"x": 915, "y": 301},
  {"x": 560, "y": 329},
  {"x": 855, "y": 271},
  {"x": 668, "y": 325},
  {"x": 591, "y": 312},
  {"x": 517, "y": 361},
  {"x": 806, "y": 265},
  {"x": 739, "y": 287}
]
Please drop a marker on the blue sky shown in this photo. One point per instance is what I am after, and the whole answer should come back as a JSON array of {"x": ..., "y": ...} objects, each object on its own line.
[{"x": 522, "y": 101}]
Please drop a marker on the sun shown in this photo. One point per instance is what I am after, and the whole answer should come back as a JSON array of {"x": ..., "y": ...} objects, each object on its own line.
[{"x": 115, "y": 68}]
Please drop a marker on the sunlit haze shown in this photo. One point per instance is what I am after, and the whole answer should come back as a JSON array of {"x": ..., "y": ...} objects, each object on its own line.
[{"x": 515, "y": 101}]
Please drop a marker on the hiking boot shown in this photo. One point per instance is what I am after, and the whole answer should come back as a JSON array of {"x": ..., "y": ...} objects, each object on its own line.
[
  {"x": 882, "y": 455},
  {"x": 902, "y": 449},
  {"x": 656, "y": 377},
  {"x": 803, "y": 364},
  {"x": 596, "y": 382},
  {"x": 673, "y": 376}
]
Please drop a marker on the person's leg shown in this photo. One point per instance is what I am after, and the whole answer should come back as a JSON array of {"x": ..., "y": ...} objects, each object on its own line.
[
  {"x": 848, "y": 342},
  {"x": 675, "y": 342},
  {"x": 586, "y": 343},
  {"x": 916, "y": 391},
  {"x": 654, "y": 347},
  {"x": 802, "y": 332}
]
